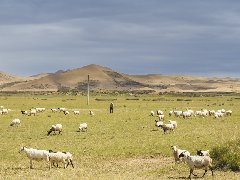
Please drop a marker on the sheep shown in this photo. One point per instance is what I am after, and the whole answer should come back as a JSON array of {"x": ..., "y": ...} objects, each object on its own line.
[
  {"x": 177, "y": 113},
  {"x": 91, "y": 113},
  {"x": 170, "y": 113},
  {"x": 40, "y": 109},
  {"x": 54, "y": 128},
  {"x": 218, "y": 114},
  {"x": 174, "y": 123},
  {"x": 66, "y": 112},
  {"x": 62, "y": 109},
  {"x": 15, "y": 122},
  {"x": 158, "y": 123},
  {"x": 167, "y": 127},
  {"x": 152, "y": 113},
  {"x": 53, "y": 110},
  {"x": 177, "y": 152},
  {"x": 159, "y": 112},
  {"x": 186, "y": 114},
  {"x": 32, "y": 111},
  {"x": 203, "y": 153},
  {"x": 161, "y": 117},
  {"x": 228, "y": 112},
  {"x": 56, "y": 157},
  {"x": 76, "y": 112},
  {"x": 83, "y": 127},
  {"x": 5, "y": 111},
  {"x": 198, "y": 162},
  {"x": 24, "y": 112},
  {"x": 35, "y": 154}
]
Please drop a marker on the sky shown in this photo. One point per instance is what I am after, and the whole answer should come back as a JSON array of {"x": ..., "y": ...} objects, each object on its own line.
[{"x": 191, "y": 37}]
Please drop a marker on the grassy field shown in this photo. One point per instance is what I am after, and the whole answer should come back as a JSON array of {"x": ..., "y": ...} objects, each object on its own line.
[{"x": 122, "y": 145}]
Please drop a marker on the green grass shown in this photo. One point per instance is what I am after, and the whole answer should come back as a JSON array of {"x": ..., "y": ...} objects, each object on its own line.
[{"x": 122, "y": 145}]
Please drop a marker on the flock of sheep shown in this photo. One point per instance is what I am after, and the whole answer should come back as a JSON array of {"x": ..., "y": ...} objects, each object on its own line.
[
  {"x": 201, "y": 160},
  {"x": 48, "y": 155}
]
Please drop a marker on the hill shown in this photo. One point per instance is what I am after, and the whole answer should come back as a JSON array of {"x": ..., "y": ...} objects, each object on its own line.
[{"x": 103, "y": 78}]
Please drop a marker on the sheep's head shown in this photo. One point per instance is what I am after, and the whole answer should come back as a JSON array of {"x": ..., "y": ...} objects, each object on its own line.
[
  {"x": 174, "y": 148},
  {"x": 21, "y": 149},
  {"x": 199, "y": 153},
  {"x": 183, "y": 154}
]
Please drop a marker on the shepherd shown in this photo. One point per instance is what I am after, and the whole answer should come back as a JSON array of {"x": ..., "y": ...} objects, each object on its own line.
[{"x": 111, "y": 107}]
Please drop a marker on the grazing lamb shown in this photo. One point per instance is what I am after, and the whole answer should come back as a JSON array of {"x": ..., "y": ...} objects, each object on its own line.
[
  {"x": 62, "y": 109},
  {"x": 177, "y": 152},
  {"x": 199, "y": 162},
  {"x": 203, "y": 153},
  {"x": 167, "y": 127},
  {"x": 35, "y": 154},
  {"x": 5, "y": 111},
  {"x": 56, "y": 157},
  {"x": 152, "y": 113},
  {"x": 15, "y": 122},
  {"x": 83, "y": 127},
  {"x": 174, "y": 123},
  {"x": 54, "y": 128}
]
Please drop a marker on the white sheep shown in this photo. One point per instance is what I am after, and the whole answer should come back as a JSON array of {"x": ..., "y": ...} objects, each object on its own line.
[
  {"x": 64, "y": 157},
  {"x": 177, "y": 152},
  {"x": 228, "y": 112},
  {"x": 5, "y": 111},
  {"x": 76, "y": 112},
  {"x": 177, "y": 113},
  {"x": 170, "y": 113},
  {"x": 54, "y": 128},
  {"x": 40, "y": 109},
  {"x": 62, "y": 109},
  {"x": 218, "y": 114},
  {"x": 161, "y": 117},
  {"x": 15, "y": 122},
  {"x": 53, "y": 110},
  {"x": 35, "y": 154},
  {"x": 158, "y": 123},
  {"x": 24, "y": 112},
  {"x": 174, "y": 123},
  {"x": 198, "y": 162},
  {"x": 159, "y": 112},
  {"x": 66, "y": 112},
  {"x": 83, "y": 127},
  {"x": 203, "y": 153},
  {"x": 152, "y": 113},
  {"x": 32, "y": 111},
  {"x": 167, "y": 127}
]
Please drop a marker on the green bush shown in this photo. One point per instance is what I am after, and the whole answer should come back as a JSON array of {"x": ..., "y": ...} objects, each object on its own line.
[{"x": 227, "y": 156}]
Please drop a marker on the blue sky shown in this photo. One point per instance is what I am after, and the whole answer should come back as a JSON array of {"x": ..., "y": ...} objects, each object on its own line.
[{"x": 196, "y": 37}]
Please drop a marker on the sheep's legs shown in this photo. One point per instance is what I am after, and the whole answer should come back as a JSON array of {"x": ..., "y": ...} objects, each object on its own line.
[
  {"x": 211, "y": 169},
  {"x": 31, "y": 166}
]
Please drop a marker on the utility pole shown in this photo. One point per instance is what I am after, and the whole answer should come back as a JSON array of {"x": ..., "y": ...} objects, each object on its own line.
[{"x": 88, "y": 91}]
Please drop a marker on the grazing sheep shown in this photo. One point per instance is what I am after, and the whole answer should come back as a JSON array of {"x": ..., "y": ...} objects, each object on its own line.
[
  {"x": 5, "y": 111},
  {"x": 35, "y": 154},
  {"x": 199, "y": 162},
  {"x": 177, "y": 152},
  {"x": 203, "y": 153},
  {"x": 24, "y": 112},
  {"x": 33, "y": 111},
  {"x": 228, "y": 113},
  {"x": 159, "y": 112},
  {"x": 152, "y": 113},
  {"x": 40, "y": 109},
  {"x": 158, "y": 123},
  {"x": 174, "y": 123},
  {"x": 54, "y": 128},
  {"x": 83, "y": 127},
  {"x": 167, "y": 127},
  {"x": 66, "y": 112},
  {"x": 53, "y": 110},
  {"x": 76, "y": 112},
  {"x": 161, "y": 117},
  {"x": 62, "y": 109},
  {"x": 218, "y": 114},
  {"x": 15, "y": 122},
  {"x": 177, "y": 113},
  {"x": 64, "y": 157}
]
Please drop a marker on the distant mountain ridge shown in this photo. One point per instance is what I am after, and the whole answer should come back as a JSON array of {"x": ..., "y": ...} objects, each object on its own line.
[{"x": 104, "y": 78}]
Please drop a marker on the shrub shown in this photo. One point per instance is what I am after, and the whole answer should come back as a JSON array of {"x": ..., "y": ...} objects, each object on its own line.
[{"x": 227, "y": 156}]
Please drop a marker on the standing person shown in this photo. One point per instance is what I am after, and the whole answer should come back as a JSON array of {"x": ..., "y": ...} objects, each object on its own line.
[{"x": 111, "y": 107}]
